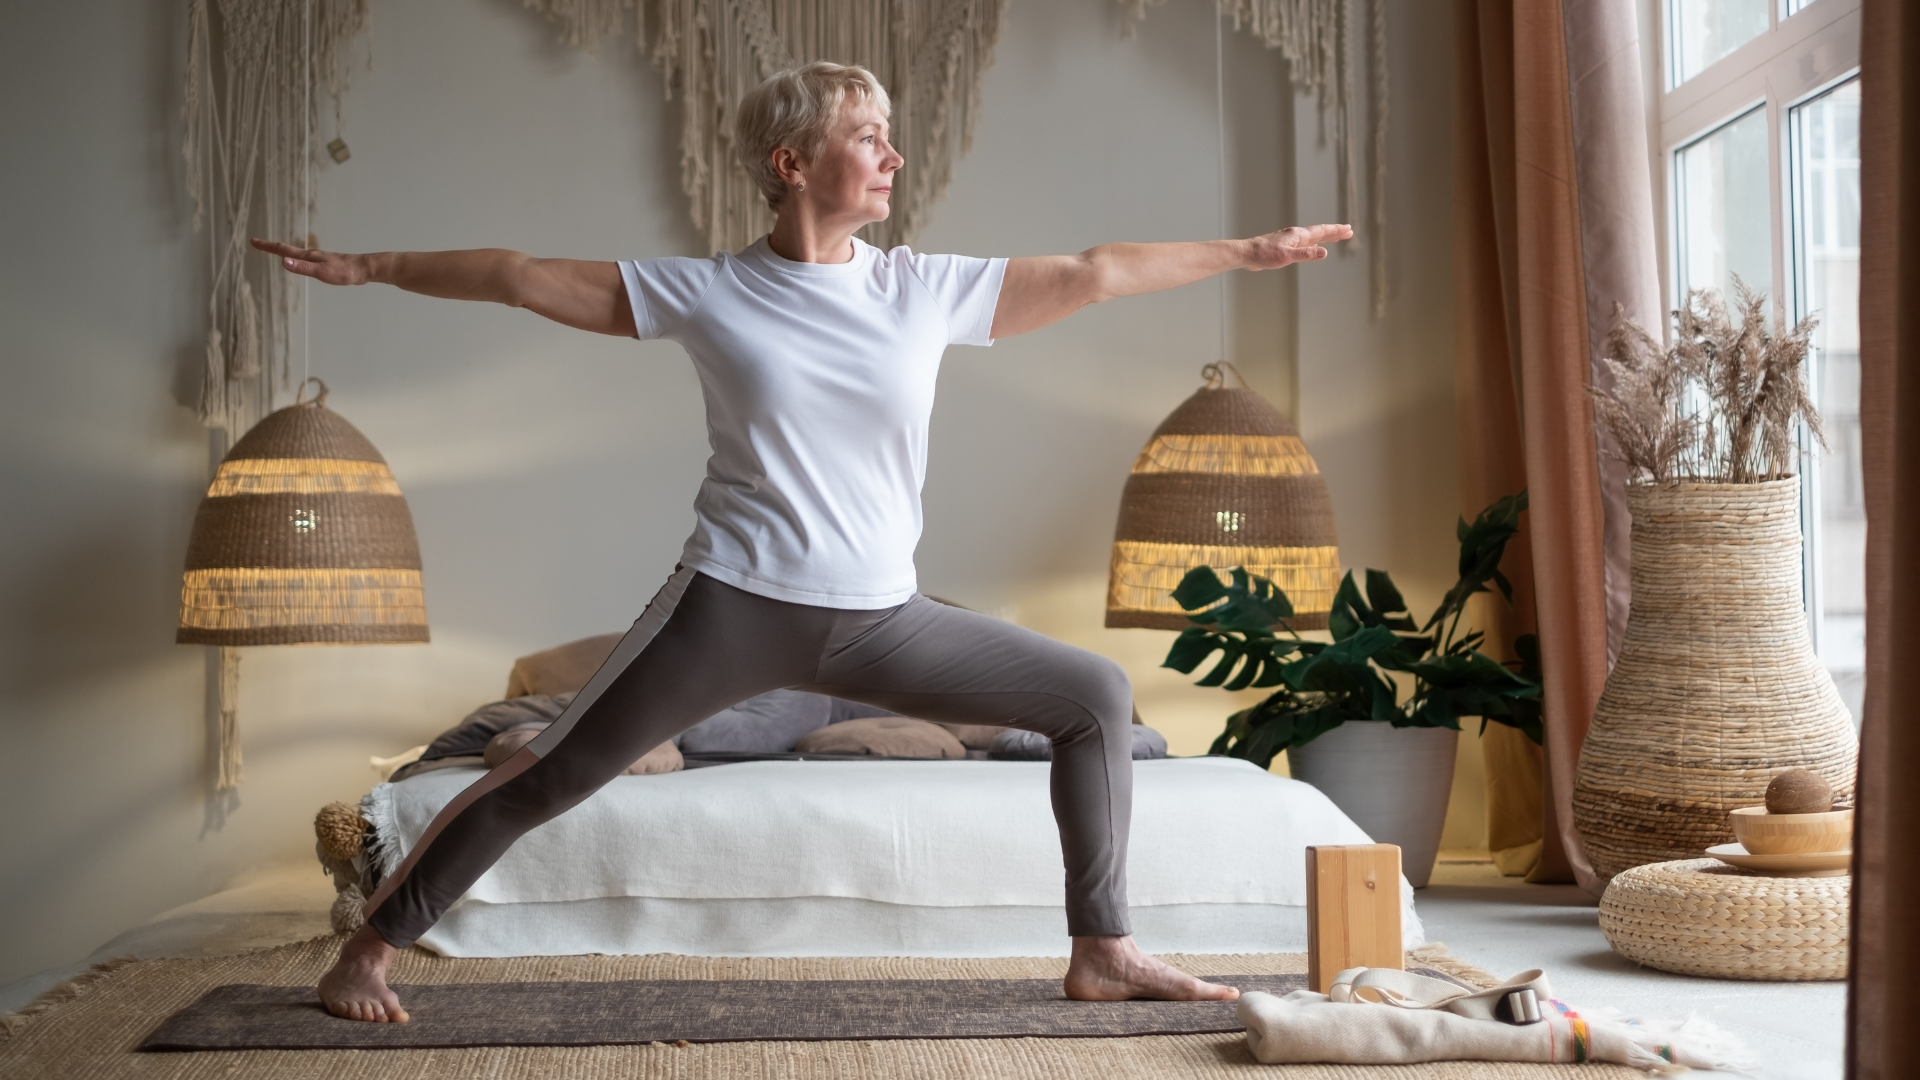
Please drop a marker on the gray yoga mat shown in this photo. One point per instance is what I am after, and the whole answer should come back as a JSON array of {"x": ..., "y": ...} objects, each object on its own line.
[{"x": 254, "y": 1017}]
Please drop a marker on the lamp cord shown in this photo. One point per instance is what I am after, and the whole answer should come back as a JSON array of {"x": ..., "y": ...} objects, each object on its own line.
[
  {"x": 1220, "y": 130},
  {"x": 306, "y": 198}
]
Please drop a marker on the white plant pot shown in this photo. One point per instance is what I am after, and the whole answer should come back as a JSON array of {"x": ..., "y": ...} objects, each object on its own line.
[{"x": 1393, "y": 782}]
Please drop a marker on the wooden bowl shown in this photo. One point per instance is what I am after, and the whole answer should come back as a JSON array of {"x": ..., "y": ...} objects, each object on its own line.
[{"x": 1792, "y": 834}]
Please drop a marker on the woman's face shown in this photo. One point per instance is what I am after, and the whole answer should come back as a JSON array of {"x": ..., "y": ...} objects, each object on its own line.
[{"x": 852, "y": 178}]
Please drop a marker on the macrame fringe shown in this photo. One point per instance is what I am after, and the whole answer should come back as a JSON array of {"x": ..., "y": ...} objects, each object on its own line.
[
  {"x": 929, "y": 53},
  {"x": 256, "y": 71},
  {"x": 1377, "y": 187},
  {"x": 1315, "y": 38},
  {"x": 229, "y": 769}
]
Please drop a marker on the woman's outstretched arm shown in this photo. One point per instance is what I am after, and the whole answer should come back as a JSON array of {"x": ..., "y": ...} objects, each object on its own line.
[
  {"x": 1046, "y": 289},
  {"x": 584, "y": 295}
]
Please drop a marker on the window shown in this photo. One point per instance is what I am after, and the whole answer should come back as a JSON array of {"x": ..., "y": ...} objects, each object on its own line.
[
  {"x": 1760, "y": 125},
  {"x": 1824, "y": 227},
  {"x": 1705, "y": 31}
]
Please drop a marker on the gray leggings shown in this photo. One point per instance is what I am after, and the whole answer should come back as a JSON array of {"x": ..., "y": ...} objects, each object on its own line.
[{"x": 702, "y": 646}]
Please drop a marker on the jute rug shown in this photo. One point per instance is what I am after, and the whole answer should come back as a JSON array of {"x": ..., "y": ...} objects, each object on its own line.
[{"x": 90, "y": 1028}]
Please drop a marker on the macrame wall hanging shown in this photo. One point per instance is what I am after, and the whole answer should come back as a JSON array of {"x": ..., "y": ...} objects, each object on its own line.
[
  {"x": 928, "y": 53},
  {"x": 255, "y": 71},
  {"x": 1315, "y": 37}
]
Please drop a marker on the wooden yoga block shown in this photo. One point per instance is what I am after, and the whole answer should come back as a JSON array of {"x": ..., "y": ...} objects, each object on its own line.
[{"x": 1353, "y": 910}]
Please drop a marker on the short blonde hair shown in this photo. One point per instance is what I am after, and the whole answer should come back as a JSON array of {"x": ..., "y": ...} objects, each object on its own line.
[{"x": 796, "y": 108}]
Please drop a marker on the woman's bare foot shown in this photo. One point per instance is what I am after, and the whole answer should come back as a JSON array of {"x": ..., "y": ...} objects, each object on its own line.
[
  {"x": 1114, "y": 969},
  {"x": 356, "y": 987}
]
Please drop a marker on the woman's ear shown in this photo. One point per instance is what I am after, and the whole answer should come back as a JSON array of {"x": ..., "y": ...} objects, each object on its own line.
[{"x": 788, "y": 166}]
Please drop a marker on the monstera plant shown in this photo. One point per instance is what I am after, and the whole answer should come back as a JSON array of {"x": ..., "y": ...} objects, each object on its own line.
[{"x": 1319, "y": 685}]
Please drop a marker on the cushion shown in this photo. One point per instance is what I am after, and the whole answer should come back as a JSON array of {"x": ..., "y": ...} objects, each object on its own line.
[
  {"x": 471, "y": 735},
  {"x": 661, "y": 759},
  {"x": 883, "y": 736},
  {"x": 1013, "y": 744},
  {"x": 768, "y": 724},
  {"x": 563, "y": 669},
  {"x": 975, "y": 736}
]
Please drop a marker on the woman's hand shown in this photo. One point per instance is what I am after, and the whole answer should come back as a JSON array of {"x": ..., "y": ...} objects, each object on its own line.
[
  {"x": 1299, "y": 243},
  {"x": 573, "y": 292},
  {"x": 1042, "y": 290},
  {"x": 324, "y": 266}
]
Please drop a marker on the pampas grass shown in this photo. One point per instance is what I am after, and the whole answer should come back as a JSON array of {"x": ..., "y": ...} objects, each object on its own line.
[{"x": 1721, "y": 404}]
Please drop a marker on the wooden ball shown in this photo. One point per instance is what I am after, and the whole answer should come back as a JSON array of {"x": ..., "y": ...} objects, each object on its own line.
[{"x": 1798, "y": 791}]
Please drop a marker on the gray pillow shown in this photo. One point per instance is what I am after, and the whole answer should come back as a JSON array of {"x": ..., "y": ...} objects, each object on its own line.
[
  {"x": 768, "y": 724},
  {"x": 471, "y": 735},
  {"x": 1014, "y": 744}
]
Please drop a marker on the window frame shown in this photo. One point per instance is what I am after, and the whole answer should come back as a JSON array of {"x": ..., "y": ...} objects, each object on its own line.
[{"x": 1803, "y": 54}]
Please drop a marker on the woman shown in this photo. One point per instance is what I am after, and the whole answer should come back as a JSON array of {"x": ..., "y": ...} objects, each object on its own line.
[{"x": 817, "y": 355}]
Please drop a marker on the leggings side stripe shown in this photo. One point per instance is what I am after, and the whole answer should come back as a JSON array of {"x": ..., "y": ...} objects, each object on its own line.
[{"x": 645, "y": 628}]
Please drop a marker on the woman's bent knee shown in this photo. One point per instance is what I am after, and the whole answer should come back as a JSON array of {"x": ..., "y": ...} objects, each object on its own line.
[{"x": 1103, "y": 691}]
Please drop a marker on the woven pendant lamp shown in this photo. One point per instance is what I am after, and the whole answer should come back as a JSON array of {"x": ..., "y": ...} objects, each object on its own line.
[
  {"x": 303, "y": 537},
  {"x": 1225, "y": 481}
]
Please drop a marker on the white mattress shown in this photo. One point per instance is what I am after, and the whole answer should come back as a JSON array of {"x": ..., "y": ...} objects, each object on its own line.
[{"x": 884, "y": 858}]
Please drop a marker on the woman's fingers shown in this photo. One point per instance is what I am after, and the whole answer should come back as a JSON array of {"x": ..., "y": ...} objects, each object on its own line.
[
  {"x": 324, "y": 266},
  {"x": 1298, "y": 243},
  {"x": 1321, "y": 234}
]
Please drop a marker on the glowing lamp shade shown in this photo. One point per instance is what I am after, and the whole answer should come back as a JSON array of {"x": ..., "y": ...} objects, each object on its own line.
[
  {"x": 303, "y": 537},
  {"x": 1225, "y": 481}
]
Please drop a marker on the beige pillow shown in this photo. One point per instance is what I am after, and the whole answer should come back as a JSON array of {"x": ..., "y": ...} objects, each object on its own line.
[
  {"x": 563, "y": 669},
  {"x": 664, "y": 758},
  {"x": 883, "y": 736},
  {"x": 974, "y": 736}
]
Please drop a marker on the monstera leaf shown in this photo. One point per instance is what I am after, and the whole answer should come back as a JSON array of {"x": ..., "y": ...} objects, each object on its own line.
[{"x": 1321, "y": 685}]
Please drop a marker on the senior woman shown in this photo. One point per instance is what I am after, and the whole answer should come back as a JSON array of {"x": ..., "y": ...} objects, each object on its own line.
[{"x": 817, "y": 356}]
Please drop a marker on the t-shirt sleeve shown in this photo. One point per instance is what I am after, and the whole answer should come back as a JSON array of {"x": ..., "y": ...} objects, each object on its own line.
[
  {"x": 967, "y": 290},
  {"x": 666, "y": 292}
]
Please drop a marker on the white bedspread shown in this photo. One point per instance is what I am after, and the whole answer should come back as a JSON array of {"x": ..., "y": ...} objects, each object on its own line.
[{"x": 911, "y": 835}]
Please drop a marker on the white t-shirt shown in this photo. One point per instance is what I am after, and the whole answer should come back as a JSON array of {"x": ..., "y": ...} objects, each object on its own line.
[{"x": 818, "y": 380}]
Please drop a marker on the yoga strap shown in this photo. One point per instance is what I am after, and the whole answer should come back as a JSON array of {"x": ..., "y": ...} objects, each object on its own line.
[{"x": 1516, "y": 1001}]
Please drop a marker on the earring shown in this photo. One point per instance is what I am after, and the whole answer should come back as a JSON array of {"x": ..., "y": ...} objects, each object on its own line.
[{"x": 800, "y": 186}]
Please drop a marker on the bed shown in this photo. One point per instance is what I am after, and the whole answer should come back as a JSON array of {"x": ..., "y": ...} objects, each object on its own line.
[
  {"x": 754, "y": 845},
  {"x": 874, "y": 858}
]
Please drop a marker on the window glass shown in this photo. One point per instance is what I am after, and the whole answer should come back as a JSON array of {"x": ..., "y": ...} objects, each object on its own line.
[
  {"x": 1720, "y": 184},
  {"x": 1824, "y": 145},
  {"x": 1706, "y": 30}
]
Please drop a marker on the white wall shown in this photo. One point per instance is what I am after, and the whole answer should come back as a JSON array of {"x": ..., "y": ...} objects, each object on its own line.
[{"x": 550, "y": 473}]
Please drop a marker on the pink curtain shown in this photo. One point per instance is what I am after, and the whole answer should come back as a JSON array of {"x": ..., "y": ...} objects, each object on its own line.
[{"x": 1554, "y": 223}]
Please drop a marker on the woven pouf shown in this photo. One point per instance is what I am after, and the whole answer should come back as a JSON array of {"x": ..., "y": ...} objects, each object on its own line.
[{"x": 1703, "y": 917}]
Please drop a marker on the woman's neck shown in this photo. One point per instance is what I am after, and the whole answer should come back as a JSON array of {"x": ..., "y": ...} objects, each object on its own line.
[{"x": 797, "y": 237}]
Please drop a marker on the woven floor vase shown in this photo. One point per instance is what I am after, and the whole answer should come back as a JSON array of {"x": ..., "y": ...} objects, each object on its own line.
[{"x": 1717, "y": 689}]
